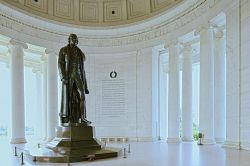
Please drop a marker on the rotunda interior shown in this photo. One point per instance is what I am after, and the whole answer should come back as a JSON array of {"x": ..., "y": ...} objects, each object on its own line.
[{"x": 181, "y": 68}]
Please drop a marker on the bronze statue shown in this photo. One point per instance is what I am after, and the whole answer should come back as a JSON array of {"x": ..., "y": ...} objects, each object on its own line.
[
  {"x": 74, "y": 141},
  {"x": 74, "y": 83}
]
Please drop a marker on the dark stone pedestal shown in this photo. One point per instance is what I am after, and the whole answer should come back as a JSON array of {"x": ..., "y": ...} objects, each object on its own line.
[{"x": 74, "y": 144}]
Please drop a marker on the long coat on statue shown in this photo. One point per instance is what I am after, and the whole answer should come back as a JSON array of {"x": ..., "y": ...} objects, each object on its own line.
[{"x": 72, "y": 74}]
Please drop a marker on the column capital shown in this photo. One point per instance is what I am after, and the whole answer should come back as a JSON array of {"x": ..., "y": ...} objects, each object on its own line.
[
  {"x": 205, "y": 26},
  {"x": 219, "y": 34},
  {"x": 145, "y": 50},
  {"x": 186, "y": 49},
  {"x": 187, "y": 52},
  {"x": 15, "y": 42},
  {"x": 170, "y": 43},
  {"x": 50, "y": 51},
  {"x": 44, "y": 58}
]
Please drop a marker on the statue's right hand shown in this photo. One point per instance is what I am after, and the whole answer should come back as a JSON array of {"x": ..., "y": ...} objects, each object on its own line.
[{"x": 65, "y": 81}]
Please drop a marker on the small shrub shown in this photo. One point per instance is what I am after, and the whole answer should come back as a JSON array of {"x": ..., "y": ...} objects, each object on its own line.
[{"x": 195, "y": 132}]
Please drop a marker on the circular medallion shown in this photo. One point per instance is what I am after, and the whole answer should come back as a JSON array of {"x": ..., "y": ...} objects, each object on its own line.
[{"x": 113, "y": 74}]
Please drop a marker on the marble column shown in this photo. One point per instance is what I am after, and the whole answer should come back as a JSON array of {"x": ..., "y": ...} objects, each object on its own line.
[
  {"x": 145, "y": 113},
  {"x": 39, "y": 128},
  {"x": 206, "y": 114},
  {"x": 220, "y": 88},
  {"x": 52, "y": 94},
  {"x": 187, "y": 107},
  {"x": 173, "y": 94},
  {"x": 234, "y": 77},
  {"x": 17, "y": 91},
  {"x": 44, "y": 96},
  {"x": 244, "y": 75}
]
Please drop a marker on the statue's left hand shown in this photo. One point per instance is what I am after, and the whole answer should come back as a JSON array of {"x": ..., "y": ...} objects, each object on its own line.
[{"x": 86, "y": 91}]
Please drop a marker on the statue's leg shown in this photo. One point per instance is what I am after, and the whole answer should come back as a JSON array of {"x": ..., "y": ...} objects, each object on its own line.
[
  {"x": 70, "y": 100},
  {"x": 80, "y": 90},
  {"x": 64, "y": 105}
]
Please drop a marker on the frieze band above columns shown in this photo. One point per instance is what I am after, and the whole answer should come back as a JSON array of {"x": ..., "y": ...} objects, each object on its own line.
[{"x": 134, "y": 34}]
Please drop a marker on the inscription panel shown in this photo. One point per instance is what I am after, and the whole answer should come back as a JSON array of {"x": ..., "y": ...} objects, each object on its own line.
[
  {"x": 113, "y": 98},
  {"x": 115, "y": 93}
]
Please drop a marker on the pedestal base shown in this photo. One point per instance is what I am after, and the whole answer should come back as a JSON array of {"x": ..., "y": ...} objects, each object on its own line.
[
  {"x": 73, "y": 144},
  {"x": 50, "y": 156}
]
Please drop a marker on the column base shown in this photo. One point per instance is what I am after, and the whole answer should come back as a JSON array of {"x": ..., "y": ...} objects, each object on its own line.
[
  {"x": 173, "y": 140},
  {"x": 231, "y": 145},
  {"x": 245, "y": 146},
  {"x": 18, "y": 140},
  {"x": 208, "y": 141},
  {"x": 219, "y": 140},
  {"x": 187, "y": 139}
]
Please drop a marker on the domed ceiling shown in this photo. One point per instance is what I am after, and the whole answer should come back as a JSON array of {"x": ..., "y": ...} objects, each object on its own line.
[{"x": 94, "y": 12}]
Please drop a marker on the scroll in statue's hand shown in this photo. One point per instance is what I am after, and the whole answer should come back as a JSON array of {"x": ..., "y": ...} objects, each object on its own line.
[{"x": 86, "y": 91}]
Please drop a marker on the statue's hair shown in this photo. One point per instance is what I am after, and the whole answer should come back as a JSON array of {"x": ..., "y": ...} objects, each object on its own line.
[{"x": 72, "y": 36}]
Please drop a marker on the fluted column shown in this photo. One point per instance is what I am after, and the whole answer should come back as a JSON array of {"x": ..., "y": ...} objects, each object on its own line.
[
  {"x": 220, "y": 88},
  {"x": 38, "y": 128},
  {"x": 17, "y": 91},
  {"x": 44, "y": 96},
  {"x": 206, "y": 114},
  {"x": 234, "y": 75},
  {"x": 52, "y": 94},
  {"x": 146, "y": 119},
  {"x": 173, "y": 94},
  {"x": 187, "y": 107}
]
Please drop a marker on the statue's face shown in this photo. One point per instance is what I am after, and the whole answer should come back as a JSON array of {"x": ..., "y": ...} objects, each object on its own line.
[{"x": 73, "y": 40}]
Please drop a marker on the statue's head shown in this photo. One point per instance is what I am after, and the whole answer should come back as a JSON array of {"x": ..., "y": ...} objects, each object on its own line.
[{"x": 73, "y": 40}]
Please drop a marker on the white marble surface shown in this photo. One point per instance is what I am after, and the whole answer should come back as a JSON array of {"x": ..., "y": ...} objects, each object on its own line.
[
  {"x": 233, "y": 77},
  {"x": 157, "y": 32},
  {"x": 206, "y": 105},
  {"x": 17, "y": 91},
  {"x": 245, "y": 71},
  {"x": 52, "y": 94},
  {"x": 154, "y": 154},
  {"x": 174, "y": 93}
]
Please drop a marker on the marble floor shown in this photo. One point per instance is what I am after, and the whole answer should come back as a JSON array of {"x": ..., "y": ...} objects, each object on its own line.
[{"x": 150, "y": 154}]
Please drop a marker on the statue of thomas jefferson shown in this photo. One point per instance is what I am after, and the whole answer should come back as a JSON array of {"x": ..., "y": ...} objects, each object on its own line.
[
  {"x": 74, "y": 83},
  {"x": 74, "y": 141}
]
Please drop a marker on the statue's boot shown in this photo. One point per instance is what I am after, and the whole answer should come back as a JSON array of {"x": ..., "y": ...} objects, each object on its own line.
[
  {"x": 85, "y": 120},
  {"x": 82, "y": 116}
]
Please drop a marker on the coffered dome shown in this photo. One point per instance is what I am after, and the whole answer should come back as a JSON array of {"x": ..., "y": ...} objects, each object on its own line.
[{"x": 93, "y": 12}]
